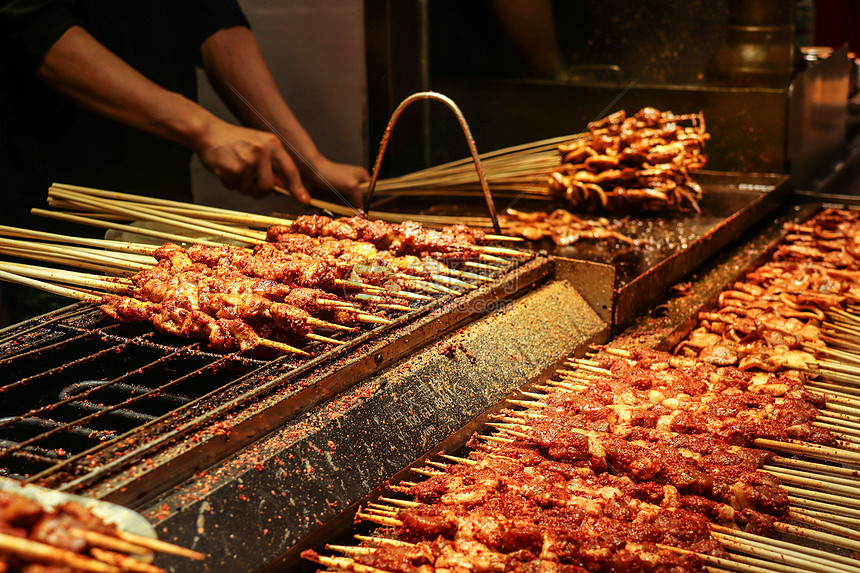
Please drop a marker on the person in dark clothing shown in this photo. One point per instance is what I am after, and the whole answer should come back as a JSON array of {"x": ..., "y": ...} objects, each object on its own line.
[{"x": 102, "y": 93}]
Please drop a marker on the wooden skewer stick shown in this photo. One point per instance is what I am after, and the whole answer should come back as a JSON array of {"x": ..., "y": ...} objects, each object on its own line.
[
  {"x": 379, "y": 520},
  {"x": 778, "y": 543},
  {"x": 155, "y": 201},
  {"x": 836, "y": 500},
  {"x": 147, "y": 214},
  {"x": 813, "y": 450},
  {"x": 36, "y": 551},
  {"x": 345, "y": 564},
  {"x": 822, "y": 512},
  {"x": 124, "y": 562},
  {"x": 27, "y": 246},
  {"x": 66, "y": 260},
  {"x": 846, "y": 516},
  {"x": 99, "y": 243},
  {"x": 384, "y": 541},
  {"x": 784, "y": 556},
  {"x": 371, "y": 319},
  {"x": 47, "y": 287},
  {"x": 326, "y": 339},
  {"x": 845, "y": 538},
  {"x": 105, "y": 541},
  {"x": 827, "y": 479},
  {"x": 475, "y": 265},
  {"x": 825, "y": 469},
  {"x": 154, "y": 233},
  {"x": 280, "y": 346},
  {"x": 160, "y": 546},
  {"x": 785, "y": 553},
  {"x": 107, "y": 284},
  {"x": 737, "y": 564}
]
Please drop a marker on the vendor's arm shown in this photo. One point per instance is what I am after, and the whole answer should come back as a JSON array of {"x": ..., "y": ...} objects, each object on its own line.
[
  {"x": 84, "y": 71},
  {"x": 235, "y": 66}
]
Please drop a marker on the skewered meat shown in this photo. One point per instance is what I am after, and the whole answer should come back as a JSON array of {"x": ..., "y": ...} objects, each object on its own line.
[
  {"x": 775, "y": 319},
  {"x": 222, "y": 334},
  {"x": 407, "y": 238},
  {"x": 563, "y": 227},
  {"x": 625, "y": 163}
]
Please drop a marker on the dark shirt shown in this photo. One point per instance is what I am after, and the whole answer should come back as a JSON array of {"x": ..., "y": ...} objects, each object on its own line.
[{"x": 45, "y": 138}]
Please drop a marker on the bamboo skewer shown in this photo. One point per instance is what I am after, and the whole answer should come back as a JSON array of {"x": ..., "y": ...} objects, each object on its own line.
[
  {"x": 826, "y": 511},
  {"x": 160, "y": 546},
  {"x": 155, "y": 216},
  {"x": 124, "y": 562},
  {"x": 161, "y": 235},
  {"x": 825, "y": 556},
  {"x": 42, "y": 552},
  {"x": 823, "y": 512},
  {"x": 97, "y": 282},
  {"x": 783, "y": 555},
  {"x": 846, "y": 538}
]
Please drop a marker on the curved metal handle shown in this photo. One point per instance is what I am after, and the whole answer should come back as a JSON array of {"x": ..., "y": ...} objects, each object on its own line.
[{"x": 466, "y": 132}]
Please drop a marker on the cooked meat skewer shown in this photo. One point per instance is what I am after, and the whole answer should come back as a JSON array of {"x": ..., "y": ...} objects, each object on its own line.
[
  {"x": 457, "y": 242},
  {"x": 641, "y": 162},
  {"x": 223, "y": 334}
]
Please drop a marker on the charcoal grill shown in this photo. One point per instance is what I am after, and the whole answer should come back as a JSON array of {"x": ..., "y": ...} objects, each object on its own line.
[{"x": 209, "y": 445}]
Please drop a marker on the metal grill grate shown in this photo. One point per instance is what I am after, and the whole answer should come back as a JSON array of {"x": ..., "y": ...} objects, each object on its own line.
[{"x": 84, "y": 400}]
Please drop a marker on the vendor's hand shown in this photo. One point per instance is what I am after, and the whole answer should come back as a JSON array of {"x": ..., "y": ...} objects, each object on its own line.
[
  {"x": 341, "y": 178},
  {"x": 249, "y": 160}
]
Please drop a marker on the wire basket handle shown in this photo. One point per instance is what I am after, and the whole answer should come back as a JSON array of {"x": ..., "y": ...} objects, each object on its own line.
[{"x": 469, "y": 140}]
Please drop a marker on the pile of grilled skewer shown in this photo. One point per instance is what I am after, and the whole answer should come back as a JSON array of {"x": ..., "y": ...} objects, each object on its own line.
[
  {"x": 70, "y": 538},
  {"x": 561, "y": 226},
  {"x": 633, "y": 164},
  {"x": 632, "y": 461},
  {"x": 296, "y": 283}
]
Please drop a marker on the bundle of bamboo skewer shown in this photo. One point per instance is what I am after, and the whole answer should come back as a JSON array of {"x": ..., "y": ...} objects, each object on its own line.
[{"x": 619, "y": 164}]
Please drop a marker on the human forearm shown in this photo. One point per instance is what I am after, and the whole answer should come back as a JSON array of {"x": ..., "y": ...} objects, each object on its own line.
[{"x": 81, "y": 69}]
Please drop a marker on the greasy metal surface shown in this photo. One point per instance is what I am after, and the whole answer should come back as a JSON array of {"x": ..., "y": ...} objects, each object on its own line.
[
  {"x": 256, "y": 506},
  {"x": 258, "y": 405},
  {"x": 120, "y": 404}
]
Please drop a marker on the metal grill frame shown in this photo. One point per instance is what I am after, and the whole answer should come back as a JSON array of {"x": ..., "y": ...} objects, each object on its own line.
[{"x": 137, "y": 465}]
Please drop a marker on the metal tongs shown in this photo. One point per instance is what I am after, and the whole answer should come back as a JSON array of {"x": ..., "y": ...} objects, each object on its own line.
[{"x": 469, "y": 140}]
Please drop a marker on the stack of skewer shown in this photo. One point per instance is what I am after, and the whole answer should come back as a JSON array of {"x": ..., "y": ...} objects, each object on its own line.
[
  {"x": 292, "y": 286},
  {"x": 635, "y": 461}
]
